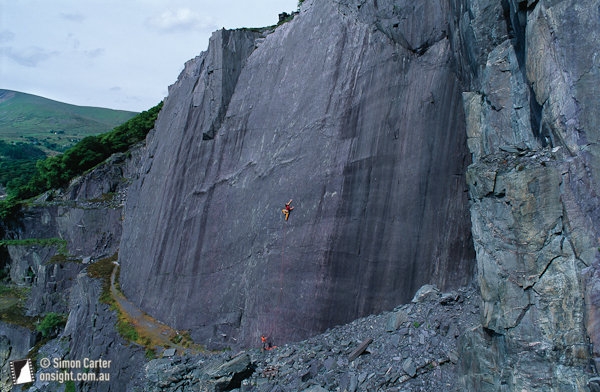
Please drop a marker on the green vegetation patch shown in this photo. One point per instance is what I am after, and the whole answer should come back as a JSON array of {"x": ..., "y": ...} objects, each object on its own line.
[
  {"x": 12, "y": 306},
  {"x": 102, "y": 269},
  {"x": 59, "y": 243},
  {"x": 104, "y": 198},
  {"x": 57, "y": 171},
  {"x": 20, "y": 151},
  {"x": 51, "y": 323},
  {"x": 51, "y": 125},
  {"x": 70, "y": 386},
  {"x": 62, "y": 258},
  {"x": 34, "y": 241},
  {"x": 127, "y": 330},
  {"x": 150, "y": 354}
]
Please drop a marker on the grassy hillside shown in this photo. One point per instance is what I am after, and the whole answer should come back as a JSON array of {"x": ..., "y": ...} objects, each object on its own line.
[
  {"x": 25, "y": 178},
  {"x": 53, "y": 126}
]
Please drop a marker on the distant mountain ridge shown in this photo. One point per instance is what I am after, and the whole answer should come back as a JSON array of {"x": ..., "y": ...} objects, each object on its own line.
[{"x": 51, "y": 124}]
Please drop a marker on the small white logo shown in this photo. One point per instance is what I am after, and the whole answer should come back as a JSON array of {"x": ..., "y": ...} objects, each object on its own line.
[{"x": 21, "y": 371}]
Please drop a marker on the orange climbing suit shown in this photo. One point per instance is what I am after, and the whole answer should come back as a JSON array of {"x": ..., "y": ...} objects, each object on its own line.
[
  {"x": 266, "y": 344},
  {"x": 287, "y": 209}
]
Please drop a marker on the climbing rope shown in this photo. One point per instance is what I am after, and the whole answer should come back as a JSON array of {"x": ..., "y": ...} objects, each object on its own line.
[
  {"x": 276, "y": 313},
  {"x": 281, "y": 267}
]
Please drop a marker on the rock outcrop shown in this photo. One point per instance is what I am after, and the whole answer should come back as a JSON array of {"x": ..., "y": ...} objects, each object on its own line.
[
  {"x": 90, "y": 333},
  {"x": 51, "y": 243},
  {"x": 420, "y": 142},
  {"x": 62, "y": 232},
  {"x": 412, "y": 348},
  {"x": 15, "y": 342},
  {"x": 352, "y": 109},
  {"x": 533, "y": 132}
]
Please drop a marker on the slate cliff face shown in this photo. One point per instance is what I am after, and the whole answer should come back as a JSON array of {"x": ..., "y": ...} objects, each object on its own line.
[
  {"x": 354, "y": 110},
  {"x": 368, "y": 137},
  {"x": 376, "y": 117},
  {"x": 86, "y": 217},
  {"x": 533, "y": 131}
]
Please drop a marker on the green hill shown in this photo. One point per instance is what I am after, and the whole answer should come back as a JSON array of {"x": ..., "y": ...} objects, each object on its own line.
[
  {"x": 51, "y": 125},
  {"x": 26, "y": 171}
]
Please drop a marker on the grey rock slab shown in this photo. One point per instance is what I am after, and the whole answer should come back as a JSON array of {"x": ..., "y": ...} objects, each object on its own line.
[
  {"x": 396, "y": 319},
  {"x": 409, "y": 367},
  {"x": 246, "y": 128},
  {"x": 316, "y": 388},
  {"x": 529, "y": 134},
  {"x": 426, "y": 293},
  {"x": 239, "y": 364},
  {"x": 370, "y": 139}
]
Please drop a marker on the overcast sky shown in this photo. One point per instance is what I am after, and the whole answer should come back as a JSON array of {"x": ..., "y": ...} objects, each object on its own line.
[{"x": 120, "y": 54}]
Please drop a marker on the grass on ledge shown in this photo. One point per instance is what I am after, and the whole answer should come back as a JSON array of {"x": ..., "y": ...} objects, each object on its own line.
[
  {"x": 129, "y": 328},
  {"x": 12, "y": 306},
  {"x": 102, "y": 269}
]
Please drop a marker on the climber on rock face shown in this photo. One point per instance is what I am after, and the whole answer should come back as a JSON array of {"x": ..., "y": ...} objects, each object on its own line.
[{"x": 287, "y": 209}]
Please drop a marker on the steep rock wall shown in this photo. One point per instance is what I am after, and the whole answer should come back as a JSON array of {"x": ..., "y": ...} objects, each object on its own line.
[
  {"x": 15, "y": 343},
  {"x": 91, "y": 333},
  {"x": 54, "y": 240},
  {"x": 352, "y": 109},
  {"x": 533, "y": 132},
  {"x": 63, "y": 231},
  {"x": 369, "y": 138}
]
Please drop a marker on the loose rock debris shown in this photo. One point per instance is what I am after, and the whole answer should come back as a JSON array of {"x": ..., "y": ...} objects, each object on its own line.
[{"x": 412, "y": 348}]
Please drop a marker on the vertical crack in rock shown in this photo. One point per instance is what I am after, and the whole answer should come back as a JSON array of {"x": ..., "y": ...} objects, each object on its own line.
[
  {"x": 353, "y": 110},
  {"x": 537, "y": 247}
]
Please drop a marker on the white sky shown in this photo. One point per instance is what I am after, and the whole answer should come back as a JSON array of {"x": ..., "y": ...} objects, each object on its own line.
[{"x": 120, "y": 54}]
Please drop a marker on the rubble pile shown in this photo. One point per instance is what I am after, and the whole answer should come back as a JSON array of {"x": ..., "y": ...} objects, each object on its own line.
[{"x": 415, "y": 347}]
